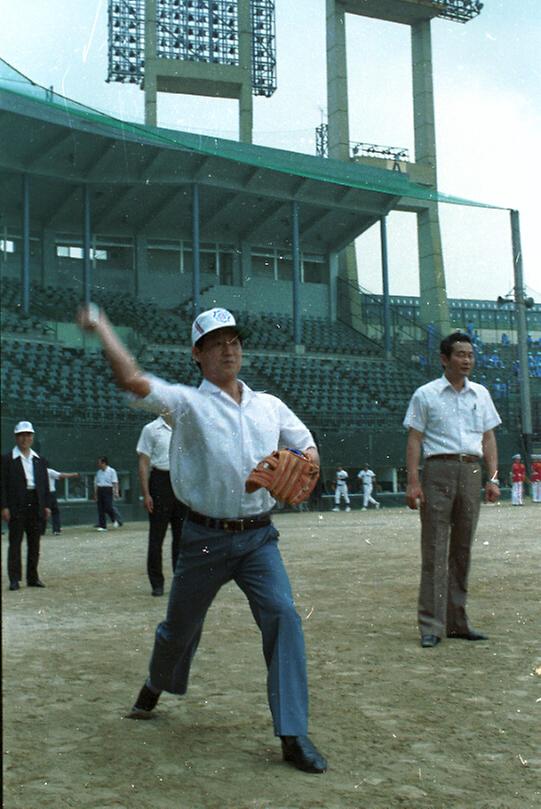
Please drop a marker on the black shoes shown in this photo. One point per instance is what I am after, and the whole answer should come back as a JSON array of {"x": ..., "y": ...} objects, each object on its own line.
[
  {"x": 427, "y": 641},
  {"x": 157, "y": 591},
  {"x": 37, "y": 583},
  {"x": 471, "y": 634},
  {"x": 300, "y": 752},
  {"x": 14, "y": 585},
  {"x": 144, "y": 704}
]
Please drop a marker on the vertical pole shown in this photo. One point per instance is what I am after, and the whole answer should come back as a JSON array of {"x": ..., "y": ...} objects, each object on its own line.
[
  {"x": 296, "y": 251},
  {"x": 86, "y": 245},
  {"x": 386, "y": 300},
  {"x": 150, "y": 80},
  {"x": 196, "y": 251},
  {"x": 522, "y": 336},
  {"x": 245, "y": 61},
  {"x": 25, "y": 269}
]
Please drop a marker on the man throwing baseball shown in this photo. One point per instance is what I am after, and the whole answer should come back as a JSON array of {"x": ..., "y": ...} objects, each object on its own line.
[{"x": 220, "y": 432}]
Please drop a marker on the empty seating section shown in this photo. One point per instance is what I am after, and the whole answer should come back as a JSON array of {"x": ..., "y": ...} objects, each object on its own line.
[{"x": 342, "y": 378}]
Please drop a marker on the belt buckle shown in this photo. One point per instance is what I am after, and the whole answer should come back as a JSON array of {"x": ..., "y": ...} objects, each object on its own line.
[
  {"x": 241, "y": 525},
  {"x": 462, "y": 456}
]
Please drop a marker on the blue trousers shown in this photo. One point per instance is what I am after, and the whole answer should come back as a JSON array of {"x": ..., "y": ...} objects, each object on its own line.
[{"x": 208, "y": 559}]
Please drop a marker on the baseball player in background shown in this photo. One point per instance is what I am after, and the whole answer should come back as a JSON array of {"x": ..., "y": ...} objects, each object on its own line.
[
  {"x": 535, "y": 478},
  {"x": 341, "y": 489},
  {"x": 368, "y": 479},
  {"x": 163, "y": 508},
  {"x": 221, "y": 431},
  {"x": 518, "y": 476}
]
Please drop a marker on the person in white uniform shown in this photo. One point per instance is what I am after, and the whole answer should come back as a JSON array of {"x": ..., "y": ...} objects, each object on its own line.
[
  {"x": 54, "y": 476},
  {"x": 162, "y": 506},
  {"x": 105, "y": 490},
  {"x": 341, "y": 489},
  {"x": 221, "y": 430},
  {"x": 368, "y": 478}
]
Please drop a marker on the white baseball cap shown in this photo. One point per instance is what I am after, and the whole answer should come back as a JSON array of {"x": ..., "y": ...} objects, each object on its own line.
[
  {"x": 23, "y": 427},
  {"x": 211, "y": 320}
]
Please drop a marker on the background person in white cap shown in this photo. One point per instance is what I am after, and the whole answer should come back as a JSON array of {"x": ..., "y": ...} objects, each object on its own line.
[
  {"x": 221, "y": 430},
  {"x": 25, "y": 504}
]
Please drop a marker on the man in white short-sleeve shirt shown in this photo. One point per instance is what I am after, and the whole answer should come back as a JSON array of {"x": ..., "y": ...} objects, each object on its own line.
[
  {"x": 367, "y": 477},
  {"x": 162, "y": 506},
  {"x": 105, "y": 490},
  {"x": 220, "y": 432},
  {"x": 453, "y": 420}
]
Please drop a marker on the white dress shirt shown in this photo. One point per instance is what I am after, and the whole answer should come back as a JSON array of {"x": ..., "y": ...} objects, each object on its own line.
[
  {"x": 216, "y": 443},
  {"x": 154, "y": 441},
  {"x": 106, "y": 477},
  {"x": 53, "y": 477},
  {"x": 28, "y": 465},
  {"x": 451, "y": 421}
]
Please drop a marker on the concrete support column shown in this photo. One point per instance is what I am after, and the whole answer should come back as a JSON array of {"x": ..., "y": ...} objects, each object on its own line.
[
  {"x": 337, "y": 81},
  {"x": 140, "y": 264},
  {"x": 296, "y": 269},
  {"x": 434, "y": 307},
  {"x": 196, "y": 252},
  {"x": 49, "y": 259},
  {"x": 245, "y": 262},
  {"x": 25, "y": 267},
  {"x": 522, "y": 337},
  {"x": 333, "y": 286},
  {"x": 87, "y": 266},
  {"x": 150, "y": 80},
  {"x": 245, "y": 60},
  {"x": 387, "y": 341}
]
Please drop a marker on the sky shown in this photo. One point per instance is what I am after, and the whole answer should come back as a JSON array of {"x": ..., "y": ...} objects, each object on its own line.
[{"x": 487, "y": 83}]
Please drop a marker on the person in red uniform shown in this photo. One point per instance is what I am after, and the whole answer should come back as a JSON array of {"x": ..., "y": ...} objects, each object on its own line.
[
  {"x": 518, "y": 476},
  {"x": 535, "y": 478}
]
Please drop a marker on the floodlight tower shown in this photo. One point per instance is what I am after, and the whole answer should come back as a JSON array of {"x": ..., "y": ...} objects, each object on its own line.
[
  {"x": 417, "y": 14},
  {"x": 217, "y": 48}
]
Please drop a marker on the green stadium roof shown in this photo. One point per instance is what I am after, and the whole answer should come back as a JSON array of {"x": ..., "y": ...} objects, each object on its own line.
[{"x": 141, "y": 178}]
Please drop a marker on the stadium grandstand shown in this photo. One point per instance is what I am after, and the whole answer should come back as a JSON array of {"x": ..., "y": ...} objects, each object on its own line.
[{"x": 153, "y": 224}]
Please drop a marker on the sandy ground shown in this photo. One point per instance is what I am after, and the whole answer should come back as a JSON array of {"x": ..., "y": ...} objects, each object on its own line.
[{"x": 455, "y": 727}]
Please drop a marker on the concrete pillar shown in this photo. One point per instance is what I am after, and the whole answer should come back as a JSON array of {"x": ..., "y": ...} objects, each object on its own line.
[
  {"x": 245, "y": 262},
  {"x": 49, "y": 259},
  {"x": 87, "y": 229},
  {"x": 25, "y": 265},
  {"x": 333, "y": 281},
  {"x": 196, "y": 252},
  {"x": 434, "y": 307},
  {"x": 140, "y": 264},
  {"x": 296, "y": 269},
  {"x": 150, "y": 80},
  {"x": 245, "y": 61},
  {"x": 337, "y": 81}
]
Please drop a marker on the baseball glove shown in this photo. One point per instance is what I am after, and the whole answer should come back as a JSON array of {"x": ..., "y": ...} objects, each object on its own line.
[{"x": 288, "y": 475}]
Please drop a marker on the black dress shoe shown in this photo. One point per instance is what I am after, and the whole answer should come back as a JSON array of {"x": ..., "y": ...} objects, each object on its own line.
[
  {"x": 14, "y": 585},
  {"x": 157, "y": 591},
  {"x": 471, "y": 634},
  {"x": 37, "y": 583},
  {"x": 429, "y": 640},
  {"x": 300, "y": 752},
  {"x": 144, "y": 704}
]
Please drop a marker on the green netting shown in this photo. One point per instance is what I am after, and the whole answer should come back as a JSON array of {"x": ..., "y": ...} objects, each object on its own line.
[{"x": 14, "y": 84}]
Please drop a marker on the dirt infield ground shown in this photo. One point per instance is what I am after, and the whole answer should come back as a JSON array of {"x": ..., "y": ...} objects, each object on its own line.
[{"x": 456, "y": 727}]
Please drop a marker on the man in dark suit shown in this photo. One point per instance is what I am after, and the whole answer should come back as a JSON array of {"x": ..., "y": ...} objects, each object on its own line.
[{"x": 25, "y": 504}]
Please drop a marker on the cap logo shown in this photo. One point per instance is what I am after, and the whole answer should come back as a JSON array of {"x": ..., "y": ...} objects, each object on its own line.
[{"x": 221, "y": 315}]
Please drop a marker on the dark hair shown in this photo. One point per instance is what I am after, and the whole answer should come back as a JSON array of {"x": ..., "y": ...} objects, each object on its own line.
[
  {"x": 104, "y": 459},
  {"x": 446, "y": 345}
]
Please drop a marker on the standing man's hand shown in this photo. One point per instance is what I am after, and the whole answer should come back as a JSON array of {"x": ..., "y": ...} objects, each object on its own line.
[
  {"x": 492, "y": 492},
  {"x": 47, "y": 513},
  {"x": 149, "y": 503},
  {"x": 414, "y": 495},
  {"x": 6, "y": 515}
]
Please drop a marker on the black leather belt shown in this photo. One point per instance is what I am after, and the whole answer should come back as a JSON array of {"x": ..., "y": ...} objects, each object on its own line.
[
  {"x": 460, "y": 456},
  {"x": 241, "y": 524}
]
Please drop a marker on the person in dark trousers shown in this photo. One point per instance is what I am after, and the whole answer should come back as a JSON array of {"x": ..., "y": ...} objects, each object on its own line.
[
  {"x": 25, "y": 504},
  {"x": 159, "y": 498},
  {"x": 452, "y": 420},
  {"x": 105, "y": 490},
  {"x": 55, "y": 511}
]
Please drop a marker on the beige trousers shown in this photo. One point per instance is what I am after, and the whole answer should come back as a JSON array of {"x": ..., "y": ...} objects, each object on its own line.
[{"x": 448, "y": 522}]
